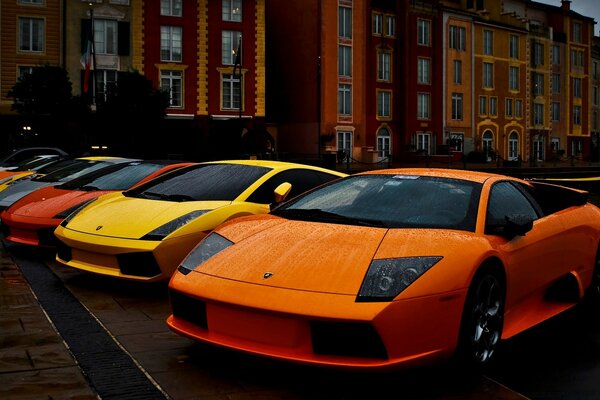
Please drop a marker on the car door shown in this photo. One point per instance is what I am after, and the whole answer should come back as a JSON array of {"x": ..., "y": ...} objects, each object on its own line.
[{"x": 533, "y": 261}]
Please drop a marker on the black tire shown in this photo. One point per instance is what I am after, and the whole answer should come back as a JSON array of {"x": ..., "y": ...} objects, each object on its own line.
[{"x": 482, "y": 320}]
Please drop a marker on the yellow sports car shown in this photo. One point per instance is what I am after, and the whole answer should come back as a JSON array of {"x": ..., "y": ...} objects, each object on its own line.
[{"x": 144, "y": 233}]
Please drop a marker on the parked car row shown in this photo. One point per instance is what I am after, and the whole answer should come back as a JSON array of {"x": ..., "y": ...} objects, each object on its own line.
[{"x": 378, "y": 269}]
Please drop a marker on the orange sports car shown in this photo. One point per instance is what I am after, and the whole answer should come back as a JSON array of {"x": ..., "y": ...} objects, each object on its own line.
[
  {"x": 391, "y": 268},
  {"x": 33, "y": 218}
]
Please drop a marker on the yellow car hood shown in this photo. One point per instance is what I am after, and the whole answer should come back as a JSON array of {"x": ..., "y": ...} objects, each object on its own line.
[{"x": 115, "y": 215}]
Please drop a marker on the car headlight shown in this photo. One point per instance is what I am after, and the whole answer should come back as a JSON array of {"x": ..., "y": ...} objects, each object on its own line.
[
  {"x": 387, "y": 278},
  {"x": 68, "y": 214},
  {"x": 164, "y": 230},
  {"x": 208, "y": 247}
]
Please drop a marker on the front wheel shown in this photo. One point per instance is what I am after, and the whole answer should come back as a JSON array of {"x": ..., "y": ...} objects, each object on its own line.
[{"x": 482, "y": 319}]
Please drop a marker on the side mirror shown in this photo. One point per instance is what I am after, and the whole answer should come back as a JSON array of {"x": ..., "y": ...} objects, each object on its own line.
[
  {"x": 281, "y": 192},
  {"x": 517, "y": 225}
]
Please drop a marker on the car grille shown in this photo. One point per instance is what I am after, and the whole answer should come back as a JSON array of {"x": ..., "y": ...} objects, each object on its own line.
[
  {"x": 188, "y": 309},
  {"x": 349, "y": 339},
  {"x": 346, "y": 339},
  {"x": 138, "y": 264},
  {"x": 63, "y": 252}
]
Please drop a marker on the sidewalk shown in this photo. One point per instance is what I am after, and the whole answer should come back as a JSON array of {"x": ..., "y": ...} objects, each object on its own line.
[{"x": 34, "y": 361}]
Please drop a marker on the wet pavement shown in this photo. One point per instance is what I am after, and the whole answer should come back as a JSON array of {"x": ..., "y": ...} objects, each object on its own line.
[{"x": 51, "y": 348}]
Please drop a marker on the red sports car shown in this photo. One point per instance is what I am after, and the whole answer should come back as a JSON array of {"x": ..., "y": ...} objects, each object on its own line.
[{"x": 33, "y": 219}]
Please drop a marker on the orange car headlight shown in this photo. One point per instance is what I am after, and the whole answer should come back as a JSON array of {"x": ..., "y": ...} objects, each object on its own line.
[
  {"x": 208, "y": 247},
  {"x": 387, "y": 278}
]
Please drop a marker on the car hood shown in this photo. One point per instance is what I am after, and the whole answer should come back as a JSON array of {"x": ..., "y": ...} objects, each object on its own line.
[
  {"x": 49, "y": 201},
  {"x": 322, "y": 257},
  {"x": 19, "y": 190},
  {"x": 132, "y": 218}
]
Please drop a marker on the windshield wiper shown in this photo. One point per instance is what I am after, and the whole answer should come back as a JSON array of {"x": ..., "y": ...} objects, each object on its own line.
[
  {"x": 89, "y": 188},
  {"x": 316, "y": 214},
  {"x": 162, "y": 196}
]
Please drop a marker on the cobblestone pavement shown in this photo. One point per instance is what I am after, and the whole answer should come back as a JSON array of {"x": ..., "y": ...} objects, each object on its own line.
[{"x": 45, "y": 353}]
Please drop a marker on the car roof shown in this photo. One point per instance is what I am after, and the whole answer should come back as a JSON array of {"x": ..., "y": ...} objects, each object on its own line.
[{"x": 474, "y": 176}]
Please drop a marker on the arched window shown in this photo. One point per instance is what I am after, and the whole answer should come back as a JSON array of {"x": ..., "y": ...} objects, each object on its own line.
[
  {"x": 384, "y": 147},
  {"x": 513, "y": 146}
]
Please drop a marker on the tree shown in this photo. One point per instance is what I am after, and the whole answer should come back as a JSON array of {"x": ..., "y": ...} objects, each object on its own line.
[
  {"x": 131, "y": 113},
  {"x": 45, "y": 91}
]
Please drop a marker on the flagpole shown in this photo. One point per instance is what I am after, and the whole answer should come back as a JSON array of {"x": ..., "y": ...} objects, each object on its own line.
[{"x": 93, "y": 58}]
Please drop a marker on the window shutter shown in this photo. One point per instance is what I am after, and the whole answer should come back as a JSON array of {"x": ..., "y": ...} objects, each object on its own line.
[{"x": 123, "y": 38}]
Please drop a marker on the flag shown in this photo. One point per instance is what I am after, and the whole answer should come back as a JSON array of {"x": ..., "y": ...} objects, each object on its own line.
[
  {"x": 86, "y": 62},
  {"x": 88, "y": 55}
]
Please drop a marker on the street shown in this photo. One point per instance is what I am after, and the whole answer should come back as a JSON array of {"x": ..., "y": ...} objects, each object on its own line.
[{"x": 560, "y": 359}]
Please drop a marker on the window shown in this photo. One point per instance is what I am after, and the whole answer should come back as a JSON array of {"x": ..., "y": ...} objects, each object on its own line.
[
  {"x": 488, "y": 75},
  {"x": 344, "y": 144},
  {"x": 577, "y": 115},
  {"x": 493, "y": 106},
  {"x": 384, "y": 106},
  {"x": 488, "y": 42},
  {"x": 487, "y": 141},
  {"x": 483, "y": 105},
  {"x": 577, "y": 87},
  {"x": 301, "y": 180},
  {"x": 172, "y": 83},
  {"x": 457, "y": 72},
  {"x": 105, "y": 36},
  {"x": 538, "y": 54},
  {"x": 230, "y": 43},
  {"x": 538, "y": 84},
  {"x": 24, "y": 70},
  {"x": 345, "y": 60},
  {"x": 595, "y": 96},
  {"x": 105, "y": 82},
  {"x": 231, "y": 92},
  {"x": 577, "y": 58},
  {"x": 595, "y": 70},
  {"x": 232, "y": 10},
  {"x": 555, "y": 111},
  {"x": 538, "y": 149},
  {"x": 424, "y": 32},
  {"x": 31, "y": 34},
  {"x": 423, "y": 140},
  {"x": 457, "y": 38},
  {"x": 390, "y": 25},
  {"x": 513, "y": 78},
  {"x": 518, "y": 108},
  {"x": 344, "y": 99},
  {"x": 31, "y": 2},
  {"x": 345, "y": 22},
  {"x": 170, "y": 43},
  {"x": 457, "y": 106},
  {"x": 595, "y": 120},
  {"x": 556, "y": 83},
  {"x": 577, "y": 32},
  {"x": 377, "y": 23},
  {"x": 506, "y": 199},
  {"x": 170, "y": 7},
  {"x": 423, "y": 105},
  {"x": 513, "y": 146},
  {"x": 556, "y": 54},
  {"x": 538, "y": 114},
  {"x": 423, "y": 70},
  {"x": 509, "y": 107},
  {"x": 384, "y": 60},
  {"x": 384, "y": 147},
  {"x": 514, "y": 46}
]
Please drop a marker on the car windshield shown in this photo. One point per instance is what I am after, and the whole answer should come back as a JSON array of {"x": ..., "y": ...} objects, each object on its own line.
[
  {"x": 76, "y": 169},
  {"x": 201, "y": 182},
  {"x": 115, "y": 177},
  {"x": 392, "y": 201},
  {"x": 34, "y": 162}
]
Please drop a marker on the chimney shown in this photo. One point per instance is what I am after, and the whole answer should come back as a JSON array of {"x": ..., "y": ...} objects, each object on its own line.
[{"x": 565, "y": 5}]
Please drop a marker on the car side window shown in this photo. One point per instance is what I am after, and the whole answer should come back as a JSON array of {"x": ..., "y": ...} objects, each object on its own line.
[
  {"x": 507, "y": 199},
  {"x": 301, "y": 180}
]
